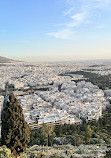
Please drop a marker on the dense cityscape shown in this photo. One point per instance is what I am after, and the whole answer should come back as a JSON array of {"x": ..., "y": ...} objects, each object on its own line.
[
  {"x": 55, "y": 79},
  {"x": 52, "y": 94}
]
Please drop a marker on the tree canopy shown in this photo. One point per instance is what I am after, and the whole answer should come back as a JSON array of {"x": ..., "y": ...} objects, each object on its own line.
[{"x": 15, "y": 132}]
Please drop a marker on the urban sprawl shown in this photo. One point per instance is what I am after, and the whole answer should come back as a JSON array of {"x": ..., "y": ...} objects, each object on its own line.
[{"x": 48, "y": 97}]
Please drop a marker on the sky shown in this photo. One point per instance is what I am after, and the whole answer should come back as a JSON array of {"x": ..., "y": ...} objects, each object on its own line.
[{"x": 55, "y": 30}]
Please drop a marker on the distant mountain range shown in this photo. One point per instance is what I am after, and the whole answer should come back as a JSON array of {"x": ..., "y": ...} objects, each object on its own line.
[{"x": 6, "y": 60}]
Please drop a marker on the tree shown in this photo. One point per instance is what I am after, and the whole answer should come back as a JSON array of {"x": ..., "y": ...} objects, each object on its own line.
[
  {"x": 47, "y": 133},
  {"x": 88, "y": 134},
  {"x": 15, "y": 132}
]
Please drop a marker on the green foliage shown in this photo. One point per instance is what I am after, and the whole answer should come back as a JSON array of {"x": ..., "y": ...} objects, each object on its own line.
[
  {"x": 23, "y": 155},
  {"x": 94, "y": 132},
  {"x": 47, "y": 133},
  {"x": 37, "y": 155},
  {"x": 40, "y": 155},
  {"x": 88, "y": 134},
  {"x": 108, "y": 154},
  {"x": 32, "y": 155},
  {"x": 5, "y": 152},
  {"x": 56, "y": 156},
  {"x": 44, "y": 135},
  {"x": 15, "y": 132},
  {"x": 102, "y": 82}
]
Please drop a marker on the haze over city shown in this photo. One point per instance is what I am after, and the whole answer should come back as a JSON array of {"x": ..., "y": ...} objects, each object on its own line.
[{"x": 55, "y": 30}]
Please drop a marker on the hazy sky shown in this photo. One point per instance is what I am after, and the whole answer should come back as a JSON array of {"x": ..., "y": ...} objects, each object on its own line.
[{"x": 55, "y": 29}]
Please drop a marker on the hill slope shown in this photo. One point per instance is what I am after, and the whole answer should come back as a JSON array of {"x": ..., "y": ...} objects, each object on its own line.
[{"x": 5, "y": 60}]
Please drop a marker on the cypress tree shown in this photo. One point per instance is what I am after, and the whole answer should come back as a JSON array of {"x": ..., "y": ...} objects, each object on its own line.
[{"x": 15, "y": 132}]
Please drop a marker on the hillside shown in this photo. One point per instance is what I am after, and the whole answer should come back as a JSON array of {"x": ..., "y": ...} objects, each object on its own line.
[{"x": 5, "y": 60}]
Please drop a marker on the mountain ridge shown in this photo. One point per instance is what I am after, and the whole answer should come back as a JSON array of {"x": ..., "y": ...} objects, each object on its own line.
[{"x": 6, "y": 60}]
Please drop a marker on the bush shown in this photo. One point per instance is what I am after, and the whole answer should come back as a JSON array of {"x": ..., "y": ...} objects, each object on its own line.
[{"x": 5, "y": 152}]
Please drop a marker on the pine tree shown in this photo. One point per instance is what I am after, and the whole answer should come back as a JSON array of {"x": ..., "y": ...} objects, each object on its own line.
[
  {"x": 88, "y": 134},
  {"x": 15, "y": 132}
]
